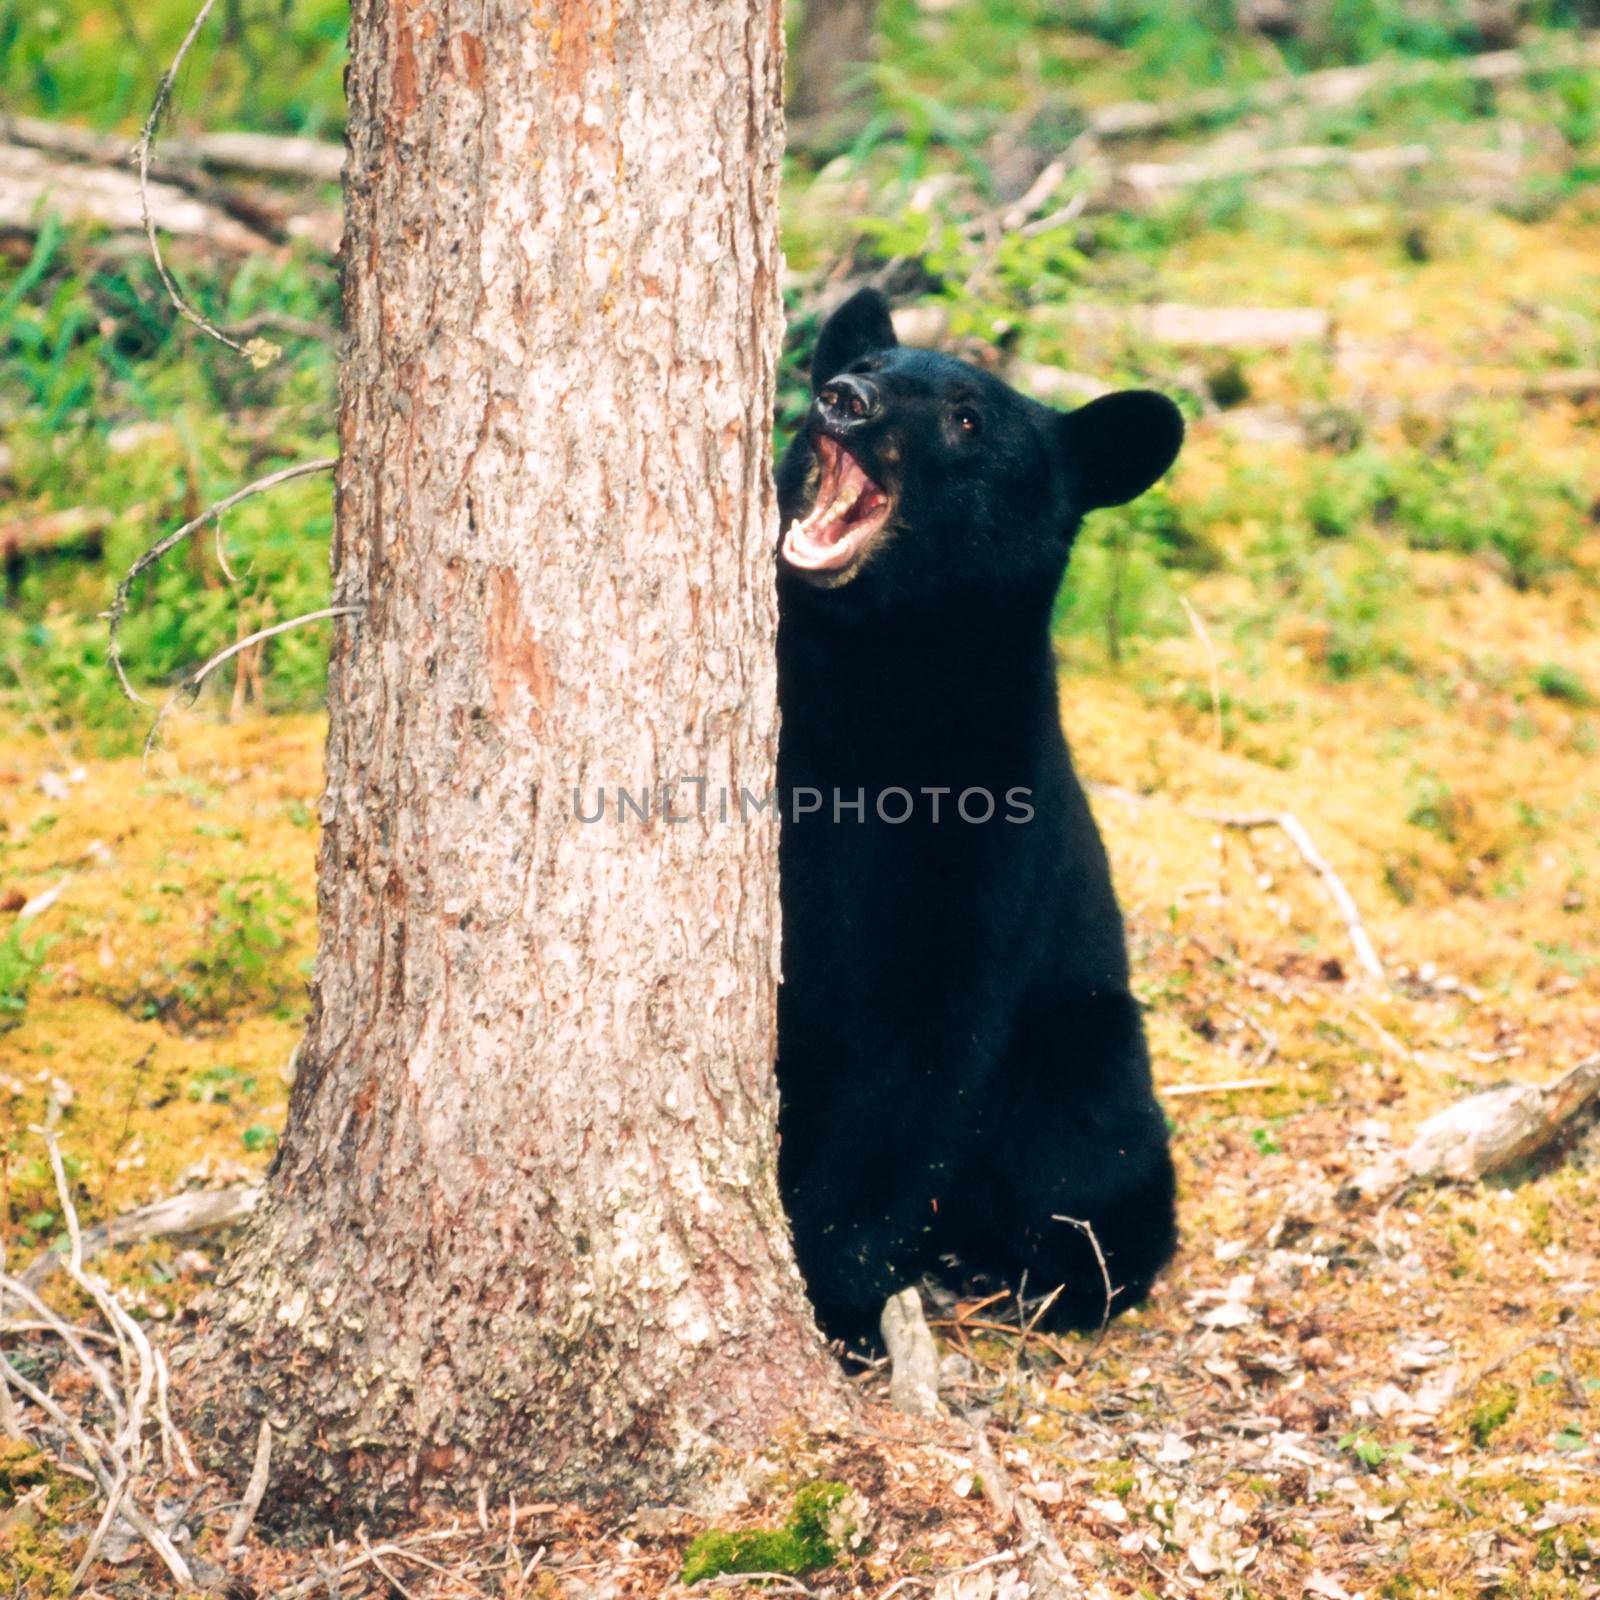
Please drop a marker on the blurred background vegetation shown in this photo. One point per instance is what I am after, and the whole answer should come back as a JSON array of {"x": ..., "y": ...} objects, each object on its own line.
[{"x": 118, "y": 421}]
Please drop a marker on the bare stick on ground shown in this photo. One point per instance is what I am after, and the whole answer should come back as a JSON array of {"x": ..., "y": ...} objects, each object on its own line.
[
  {"x": 1366, "y": 954},
  {"x": 1337, "y": 86},
  {"x": 260, "y": 1471},
  {"x": 1087, "y": 1230},
  {"x": 180, "y": 1213},
  {"x": 1231, "y": 1086},
  {"x": 1485, "y": 1134},
  {"x": 114, "y": 1465}
]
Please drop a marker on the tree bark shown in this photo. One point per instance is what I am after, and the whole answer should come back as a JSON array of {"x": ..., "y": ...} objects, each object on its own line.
[{"x": 524, "y": 1231}]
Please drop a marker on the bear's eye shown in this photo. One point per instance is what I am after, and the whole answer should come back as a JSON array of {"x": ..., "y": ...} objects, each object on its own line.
[{"x": 967, "y": 420}]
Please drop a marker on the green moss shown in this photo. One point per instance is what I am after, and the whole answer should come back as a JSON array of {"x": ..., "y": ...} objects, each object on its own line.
[
  {"x": 33, "y": 1555},
  {"x": 808, "y": 1540},
  {"x": 1491, "y": 1414},
  {"x": 21, "y": 1467}
]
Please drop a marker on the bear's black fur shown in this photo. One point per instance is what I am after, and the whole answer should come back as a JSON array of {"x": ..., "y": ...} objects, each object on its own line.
[{"x": 960, "y": 1061}]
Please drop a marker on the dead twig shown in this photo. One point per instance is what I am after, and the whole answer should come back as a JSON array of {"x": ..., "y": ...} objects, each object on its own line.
[
  {"x": 113, "y": 1466},
  {"x": 1213, "y": 662},
  {"x": 377, "y": 1562},
  {"x": 1087, "y": 1230},
  {"x": 180, "y": 1213},
  {"x": 1231, "y": 1086},
  {"x": 1336, "y": 86},
  {"x": 254, "y": 1490}
]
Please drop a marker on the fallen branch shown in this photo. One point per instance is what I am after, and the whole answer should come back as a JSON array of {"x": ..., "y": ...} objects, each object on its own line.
[
  {"x": 1313, "y": 858},
  {"x": 114, "y": 1466},
  {"x": 82, "y": 526},
  {"x": 1142, "y": 183},
  {"x": 261, "y": 155},
  {"x": 1232, "y": 1086},
  {"x": 254, "y": 1490},
  {"x": 1485, "y": 1134},
  {"x": 1049, "y": 1573},
  {"x": 1202, "y": 327},
  {"x": 1087, "y": 1230},
  {"x": 1309, "y": 426},
  {"x": 181, "y": 1213},
  {"x": 33, "y": 184},
  {"x": 1339, "y": 86}
]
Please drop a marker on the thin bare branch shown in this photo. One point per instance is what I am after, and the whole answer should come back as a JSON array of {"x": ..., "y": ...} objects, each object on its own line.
[
  {"x": 1213, "y": 661},
  {"x": 191, "y": 685},
  {"x": 69, "y": 1336},
  {"x": 142, "y": 151},
  {"x": 91, "y": 1551},
  {"x": 1232, "y": 1086},
  {"x": 119, "y": 601},
  {"x": 114, "y": 1466},
  {"x": 1087, "y": 1230}
]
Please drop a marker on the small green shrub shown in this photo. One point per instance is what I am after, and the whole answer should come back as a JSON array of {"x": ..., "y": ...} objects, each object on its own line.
[
  {"x": 1557, "y": 682},
  {"x": 242, "y": 956}
]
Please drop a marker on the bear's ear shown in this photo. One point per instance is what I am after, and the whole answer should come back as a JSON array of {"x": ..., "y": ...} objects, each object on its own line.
[
  {"x": 860, "y": 326},
  {"x": 1120, "y": 444}
]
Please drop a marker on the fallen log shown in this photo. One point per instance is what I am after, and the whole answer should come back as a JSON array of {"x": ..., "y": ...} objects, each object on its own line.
[
  {"x": 1308, "y": 426},
  {"x": 1202, "y": 327},
  {"x": 55, "y": 530},
  {"x": 181, "y": 1213},
  {"x": 1485, "y": 1135},
  {"x": 1339, "y": 86},
  {"x": 34, "y": 184},
  {"x": 1137, "y": 184},
  {"x": 261, "y": 155}
]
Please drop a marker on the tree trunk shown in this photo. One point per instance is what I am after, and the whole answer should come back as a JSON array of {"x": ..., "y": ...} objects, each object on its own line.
[
  {"x": 832, "y": 48},
  {"x": 524, "y": 1230}
]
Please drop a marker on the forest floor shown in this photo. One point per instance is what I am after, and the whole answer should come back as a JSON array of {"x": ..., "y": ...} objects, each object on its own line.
[
  {"x": 1366, "y": 598},
  {"x": 1398, "y": 1400}
]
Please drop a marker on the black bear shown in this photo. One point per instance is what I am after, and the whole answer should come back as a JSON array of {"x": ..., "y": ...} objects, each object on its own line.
[{"x": 960, "y": 1062}]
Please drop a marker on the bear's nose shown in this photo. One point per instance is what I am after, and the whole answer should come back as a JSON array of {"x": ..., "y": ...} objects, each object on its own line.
[{"x": 848, "y": 400}]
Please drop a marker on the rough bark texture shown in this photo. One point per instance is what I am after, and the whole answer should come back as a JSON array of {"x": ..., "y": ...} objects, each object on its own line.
[{"x": 524, "y": 1230}]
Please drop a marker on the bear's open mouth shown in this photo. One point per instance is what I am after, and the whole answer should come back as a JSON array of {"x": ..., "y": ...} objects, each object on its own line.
[{"x": 849, "y": 510}]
